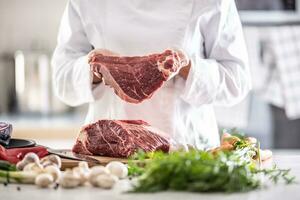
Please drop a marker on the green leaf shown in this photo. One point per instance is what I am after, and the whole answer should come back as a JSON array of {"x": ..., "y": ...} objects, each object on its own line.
[{"x": 202, "y": 171}]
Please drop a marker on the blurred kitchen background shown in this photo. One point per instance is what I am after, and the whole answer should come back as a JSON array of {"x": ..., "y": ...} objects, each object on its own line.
[{"x": 28, "y": 31}]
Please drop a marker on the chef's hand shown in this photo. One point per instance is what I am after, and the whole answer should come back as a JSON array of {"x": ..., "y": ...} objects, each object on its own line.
[
  {"x": 185, "y": 62},
  {"x": 97, "y": 76},
  {"x": 184, "y": 72}
]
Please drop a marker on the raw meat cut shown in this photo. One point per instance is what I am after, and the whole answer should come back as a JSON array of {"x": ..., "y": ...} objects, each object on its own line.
[
  {"x": 120, "y": 138},
  {"x": 135, "y": 79}
]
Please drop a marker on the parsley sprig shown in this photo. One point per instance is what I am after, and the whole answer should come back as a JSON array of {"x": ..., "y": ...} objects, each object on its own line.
[{"x": 236, "y": 170}]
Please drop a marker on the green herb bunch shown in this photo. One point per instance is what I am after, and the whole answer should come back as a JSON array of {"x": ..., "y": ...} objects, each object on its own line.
[{"x": 236, "y": 170}]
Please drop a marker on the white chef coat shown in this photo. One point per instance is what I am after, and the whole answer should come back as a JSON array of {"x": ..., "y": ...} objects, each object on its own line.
[{"x": 210, "y": 33}]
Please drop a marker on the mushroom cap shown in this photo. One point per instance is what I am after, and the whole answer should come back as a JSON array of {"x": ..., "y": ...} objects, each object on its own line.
[
  {"x": 44, "y": 180},
  {"x": 69, "y": 179},
  {"x": 118, "y": 169},
  {"x": 106, "y": 181},
  {"x": 96, "y": 171},
  {"x": 54, "y": 171}
]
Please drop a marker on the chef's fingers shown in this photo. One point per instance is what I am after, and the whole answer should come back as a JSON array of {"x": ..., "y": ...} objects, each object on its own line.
[
  {"x": 98, "y": 75},
  {"x": 91, "y": 56},
  {"x": 184, "y": 72},
  {"x": 265, "y": 154},
  {"x": 95, "y": 67},
  {"x": 111, "y": 53},
  {"x": 97, "y": 78},
  {"x": 183, "y": 57},
  {"x": 104, "y": 52}
]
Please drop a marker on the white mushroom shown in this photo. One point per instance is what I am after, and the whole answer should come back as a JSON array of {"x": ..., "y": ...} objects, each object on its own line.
[
  {"x": 106, "y": 181},
  {"x": 118, "y": 169},
  {"x": 69, "y": 179},
  {"x": 54, "y": 171},
  {"x": 28, "y": 158},
  {"x": 20, "y": 165},
  {"x": 46, "y": 163},
  {"x": 83, "y": 165},
  {"x": 51, "y": 160},
  {"x": 44, "y": 180},
  {"x": 36, "y": 167},
  {"x": 83, "y": 171},
  {"x": 31, "y": 157},
  {"x": 96, "y": 171},
  {"x": 78, "y": 172}
]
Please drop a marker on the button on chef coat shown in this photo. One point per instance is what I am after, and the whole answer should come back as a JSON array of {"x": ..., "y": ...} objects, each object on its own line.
[{"x": 210, "y": 33}]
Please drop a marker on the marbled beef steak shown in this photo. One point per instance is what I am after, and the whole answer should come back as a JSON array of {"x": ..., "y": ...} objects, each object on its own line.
[
  {"x": 135, "y": 79},
  {"x": 120, "y": 138}
]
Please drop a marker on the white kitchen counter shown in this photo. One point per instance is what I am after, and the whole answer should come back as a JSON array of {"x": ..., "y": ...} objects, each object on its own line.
[{"x": 284, "y": 159}]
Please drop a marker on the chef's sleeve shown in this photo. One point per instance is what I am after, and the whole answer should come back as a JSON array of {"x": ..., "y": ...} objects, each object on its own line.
[
  {"x": 222, "y": 76},
  {"x": 72, "y": 78}
]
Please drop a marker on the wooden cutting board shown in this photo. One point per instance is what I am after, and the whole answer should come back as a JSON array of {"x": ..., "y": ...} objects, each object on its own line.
[{"x": 68, "y": 163}]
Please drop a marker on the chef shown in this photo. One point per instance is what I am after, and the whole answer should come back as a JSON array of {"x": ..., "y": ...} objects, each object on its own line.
[{"x": 209, "y": 32}]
